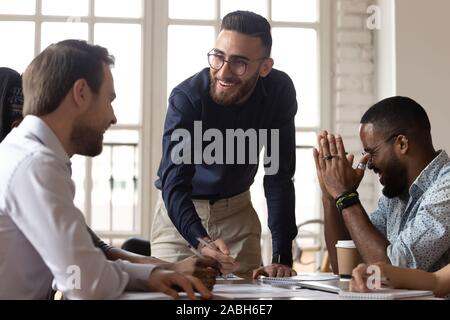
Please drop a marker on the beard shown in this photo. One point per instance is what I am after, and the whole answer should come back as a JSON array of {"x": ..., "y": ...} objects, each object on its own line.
[
  {"x": 87, "y": 140},
  {"x": 394, "y": 179},
  {"x": 227, "y": 99}
]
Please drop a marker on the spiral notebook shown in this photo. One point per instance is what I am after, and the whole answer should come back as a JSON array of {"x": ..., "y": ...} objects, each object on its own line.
[
  {"x": 296, "y": 280},
  {"x": 385, "y": 294}
]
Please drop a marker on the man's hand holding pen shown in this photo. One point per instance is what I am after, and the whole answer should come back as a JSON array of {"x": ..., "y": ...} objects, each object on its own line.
[
  {"x": 219, "y": 251},
  {"x": 204, "y": 268}
]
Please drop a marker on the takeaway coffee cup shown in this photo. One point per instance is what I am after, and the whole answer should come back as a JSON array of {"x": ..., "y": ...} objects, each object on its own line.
[{"x": 348, "y": 258}]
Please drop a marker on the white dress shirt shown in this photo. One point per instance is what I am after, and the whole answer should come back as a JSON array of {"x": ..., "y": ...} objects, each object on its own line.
[{"x": 43, "y": 236}]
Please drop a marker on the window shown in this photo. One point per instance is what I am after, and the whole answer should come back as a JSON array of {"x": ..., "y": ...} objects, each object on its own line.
[
  {"x": 108, "y": 186},
  {"x": 115, "y": 190}
]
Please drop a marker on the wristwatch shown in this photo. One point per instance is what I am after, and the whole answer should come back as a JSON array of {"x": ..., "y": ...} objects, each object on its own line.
[
  {"x": 347, "y": 199},
  {"x": 280, "y": 259}
]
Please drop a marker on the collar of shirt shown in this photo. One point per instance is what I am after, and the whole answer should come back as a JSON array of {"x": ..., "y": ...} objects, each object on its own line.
[
  {"x": 42, "y": 132},
  {"x": 429, "y": 175}
]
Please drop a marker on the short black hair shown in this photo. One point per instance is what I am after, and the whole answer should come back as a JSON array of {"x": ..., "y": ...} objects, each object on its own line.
[
  {"x": 11, "y": 100},
  {"x": 251, "y": 24},
  {"x": 400, "y": 115}
]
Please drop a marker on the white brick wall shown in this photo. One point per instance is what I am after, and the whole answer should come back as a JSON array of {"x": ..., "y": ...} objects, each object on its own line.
[
  {"x": 354, "y": 37},
  {"x": 349, "y": 21},
  {"x": 353, "y": 81},
  {"x": 352, "y": 6}
]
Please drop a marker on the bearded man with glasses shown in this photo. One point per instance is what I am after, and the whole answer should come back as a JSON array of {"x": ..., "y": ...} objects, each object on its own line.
[
  {"x": 411, "y": 226},
  {"x": 207, "y": 205}
]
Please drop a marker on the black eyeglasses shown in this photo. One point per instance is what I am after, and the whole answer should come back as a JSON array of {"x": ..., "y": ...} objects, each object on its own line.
[
  {"x": 237, "y": 66},
  {"x": 374, "y": 151}
]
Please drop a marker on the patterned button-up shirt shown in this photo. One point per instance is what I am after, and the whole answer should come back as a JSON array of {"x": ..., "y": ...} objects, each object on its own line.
[{"x": 417, "y": 223}]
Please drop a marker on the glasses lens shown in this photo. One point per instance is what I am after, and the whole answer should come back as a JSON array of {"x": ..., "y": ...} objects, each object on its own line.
[
  {"x": 238, "y": 67},
  {"x": 215, "y": 61}
]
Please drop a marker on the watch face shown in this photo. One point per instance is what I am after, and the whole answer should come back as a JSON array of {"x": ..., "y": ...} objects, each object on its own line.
[
  {"x": 276, "y": 258},
  {"x": 285, "y": 260}
]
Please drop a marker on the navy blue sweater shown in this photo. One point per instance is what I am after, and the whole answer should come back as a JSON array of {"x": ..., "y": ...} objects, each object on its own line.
[{"x": 272, "y": 105}]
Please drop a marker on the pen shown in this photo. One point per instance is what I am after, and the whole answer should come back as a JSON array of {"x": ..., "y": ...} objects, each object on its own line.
[
  {"x": 195, "y": 251},
  {"x": 208, "y": 244},
  {"x": 213, "y": 247}
]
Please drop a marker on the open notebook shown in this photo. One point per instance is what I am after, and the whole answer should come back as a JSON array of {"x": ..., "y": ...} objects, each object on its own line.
[
  {"x": 296, "y": 280},
  {"x": 385, "y": 294}
]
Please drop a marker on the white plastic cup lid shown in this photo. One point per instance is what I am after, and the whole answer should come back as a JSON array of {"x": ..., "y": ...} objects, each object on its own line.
[{"x": 348, "y": 244}]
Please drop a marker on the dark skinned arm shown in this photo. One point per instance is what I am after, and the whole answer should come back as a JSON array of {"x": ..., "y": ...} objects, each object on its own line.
[
  {"x": 335, "y": 230},
  {"x": 371, "y": 244},
  {"x": 338, "y": 176}
]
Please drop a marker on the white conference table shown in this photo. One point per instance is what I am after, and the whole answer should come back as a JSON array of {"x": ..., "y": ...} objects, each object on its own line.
[
  {"x": 243, "y": 292},
  {"x": 243, "y": 289},
  {"x": 248, "y": 290}
]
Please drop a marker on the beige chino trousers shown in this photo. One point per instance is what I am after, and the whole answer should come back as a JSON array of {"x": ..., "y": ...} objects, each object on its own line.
[{"x": 233, "y": 220}]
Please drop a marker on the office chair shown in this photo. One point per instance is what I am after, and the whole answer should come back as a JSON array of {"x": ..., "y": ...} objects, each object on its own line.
[
  {"x": 322, "y": 262},
  {"x": 138, "y": 246}
]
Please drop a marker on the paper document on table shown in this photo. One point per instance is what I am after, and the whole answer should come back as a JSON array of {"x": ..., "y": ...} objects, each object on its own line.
[
  {"x": 255, "y": 291},
  {"x": 240, "y": 291},
  {"x": 150, "y": 296},
  {"x": 244, "y": 288},
  {"x": 385, "y": 294},
  {"x": 299, "y": 278},
  {"x": 229, "y": 276},
  {"x": 233, "y": 291}
]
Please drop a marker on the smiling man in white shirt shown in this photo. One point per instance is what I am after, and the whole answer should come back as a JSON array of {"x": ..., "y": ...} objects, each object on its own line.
[{"x": 68, "y": 93}]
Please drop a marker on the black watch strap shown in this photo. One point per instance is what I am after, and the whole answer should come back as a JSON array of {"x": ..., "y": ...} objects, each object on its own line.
[
  {"x": 281, "y": 259},
  {"x": 346, "y": 200}
]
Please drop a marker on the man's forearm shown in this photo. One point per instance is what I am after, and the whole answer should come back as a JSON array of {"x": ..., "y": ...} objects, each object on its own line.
[
  {"x": 371, "y": 244},
  {"x": 284, "y": 255},
  {"x": 412, "y": 279},
  {"x": 334, "y": 230},
  {"x": 116, "y": 253},
  {"x": 442, "y": 281}
]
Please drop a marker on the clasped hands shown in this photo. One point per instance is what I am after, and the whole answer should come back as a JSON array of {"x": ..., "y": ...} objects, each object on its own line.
[{"x": 334, "y": 166}]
